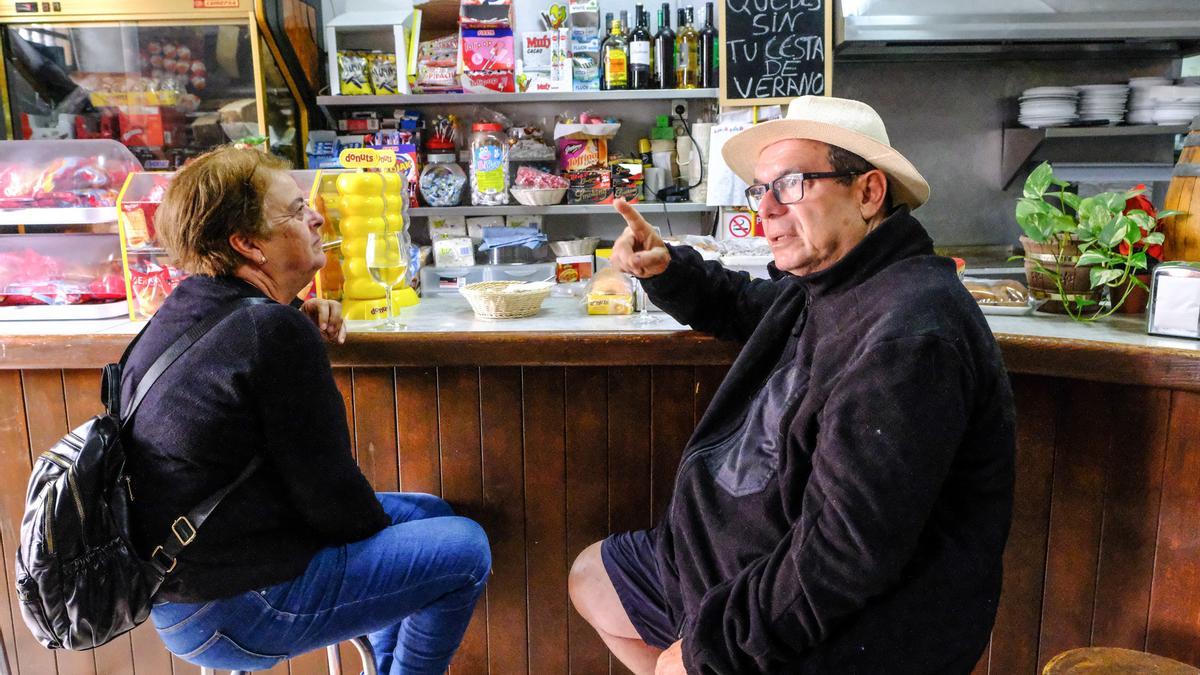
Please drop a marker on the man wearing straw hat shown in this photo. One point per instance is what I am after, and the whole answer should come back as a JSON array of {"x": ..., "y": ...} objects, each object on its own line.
[{"x": 843, "y": 505}]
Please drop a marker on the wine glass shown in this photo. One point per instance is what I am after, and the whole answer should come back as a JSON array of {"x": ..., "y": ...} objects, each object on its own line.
[
  {"x": 387, "y": 261},
  {"x": 643, "y": 317}
]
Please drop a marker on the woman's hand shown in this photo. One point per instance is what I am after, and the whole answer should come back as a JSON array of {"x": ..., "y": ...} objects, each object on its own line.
[{"x": 327, "y": 314}]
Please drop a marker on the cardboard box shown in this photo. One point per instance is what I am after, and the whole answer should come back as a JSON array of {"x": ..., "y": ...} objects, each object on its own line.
[
  {"x": 572, "y": 268},
  {"x": 593, "y": 186}
]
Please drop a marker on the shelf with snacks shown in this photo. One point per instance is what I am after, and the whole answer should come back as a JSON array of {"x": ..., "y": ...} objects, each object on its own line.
[
  {"x": 366, "y": 101},
  {"x": 557, "y": 209}
]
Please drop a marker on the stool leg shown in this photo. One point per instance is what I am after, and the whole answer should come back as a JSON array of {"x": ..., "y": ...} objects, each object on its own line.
[
  {"x": 366, "y": 653},
  {"x": 334, "y": 661}
]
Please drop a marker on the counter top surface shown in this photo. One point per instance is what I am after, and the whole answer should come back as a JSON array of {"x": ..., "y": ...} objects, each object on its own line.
[{"x": 444, "y": 331}]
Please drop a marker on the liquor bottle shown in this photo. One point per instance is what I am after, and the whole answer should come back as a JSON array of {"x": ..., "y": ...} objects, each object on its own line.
[
  {"x": 664, "y": 50},
  {"x": 614, "y": 59},
  {"x": 653, "y": 68},
  {"x": 710, "y": 69},
  {"x": 639, "y": 52},
  {"x": 625, "y": 24},
  {"x": 687, "y": 53}
]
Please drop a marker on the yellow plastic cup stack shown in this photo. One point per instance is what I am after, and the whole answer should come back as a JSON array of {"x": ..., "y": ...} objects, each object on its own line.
[{"x": 369, "y": 203}]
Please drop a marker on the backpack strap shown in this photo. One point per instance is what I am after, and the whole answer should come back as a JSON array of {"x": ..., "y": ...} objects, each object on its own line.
[
  {"x": 184, "y": 529},
  {"x": 177, "y": 349}
]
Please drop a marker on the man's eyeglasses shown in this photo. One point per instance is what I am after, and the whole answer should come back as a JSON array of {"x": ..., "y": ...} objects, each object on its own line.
[{"x": 789, "y": 188}]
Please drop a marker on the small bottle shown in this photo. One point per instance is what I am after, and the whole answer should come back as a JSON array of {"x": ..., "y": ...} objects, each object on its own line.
[
  {"x": 614, "y": 59},
  {"x": 639, "y": 52},
  {"x": 710, "y": 69},
  {"x": 664, "y": 50},
  {"x": 625, "y": 25},
  {"x": 687, "y": 53}
]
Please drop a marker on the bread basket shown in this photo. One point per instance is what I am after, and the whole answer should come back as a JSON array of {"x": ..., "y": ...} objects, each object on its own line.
[
  {"x": 498, "y": 300},
  {"x": 538, "y": 196}
]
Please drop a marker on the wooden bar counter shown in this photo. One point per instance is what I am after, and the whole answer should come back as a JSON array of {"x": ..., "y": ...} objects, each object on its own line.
[{"x": 554, "y": 431}]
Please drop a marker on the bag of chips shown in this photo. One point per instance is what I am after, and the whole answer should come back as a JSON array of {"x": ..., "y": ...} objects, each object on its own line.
[
  {"x": 383, "y": 73},
  {"x": 352, "y": 72}
]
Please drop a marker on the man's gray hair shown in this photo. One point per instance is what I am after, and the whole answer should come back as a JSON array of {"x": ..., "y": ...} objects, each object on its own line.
[{"x": 842, "y": 159}]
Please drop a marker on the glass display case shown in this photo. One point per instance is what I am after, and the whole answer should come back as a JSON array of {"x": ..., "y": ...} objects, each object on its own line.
[
  {"x": 60, "y": 252},
  {"x": 167, "y": 78},
  {"x": 150, "y": 277}
]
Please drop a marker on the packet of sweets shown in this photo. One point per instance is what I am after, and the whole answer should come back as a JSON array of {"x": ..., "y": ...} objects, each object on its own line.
[
  {"x": 352, "y": 73},
  {"x": 383, "y": 73}
]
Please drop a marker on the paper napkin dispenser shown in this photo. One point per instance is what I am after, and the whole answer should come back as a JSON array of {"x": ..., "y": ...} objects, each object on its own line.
[{"x": 1175, "y": 300}]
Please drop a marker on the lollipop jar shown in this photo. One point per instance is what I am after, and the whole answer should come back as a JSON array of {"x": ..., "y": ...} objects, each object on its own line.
[{"x": 489, "y": 165}]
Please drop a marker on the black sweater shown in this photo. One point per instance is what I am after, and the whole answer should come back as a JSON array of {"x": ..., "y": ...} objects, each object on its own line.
[
  {"x": 258, "y": 384},
  {"x": 864, "y": 532}
]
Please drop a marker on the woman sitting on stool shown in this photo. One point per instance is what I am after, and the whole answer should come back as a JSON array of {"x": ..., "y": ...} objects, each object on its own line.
[{"x": 304, "y": 553}]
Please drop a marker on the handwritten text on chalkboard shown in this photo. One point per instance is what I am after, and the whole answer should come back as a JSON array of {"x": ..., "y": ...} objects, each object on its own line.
[{"x": 775, "y": 48}]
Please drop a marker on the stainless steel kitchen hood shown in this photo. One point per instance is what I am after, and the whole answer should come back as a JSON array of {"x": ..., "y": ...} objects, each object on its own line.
[{"x": 1020, "y": 26}]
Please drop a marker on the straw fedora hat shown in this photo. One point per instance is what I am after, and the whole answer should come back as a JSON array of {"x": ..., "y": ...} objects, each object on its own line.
[{"x": 851, "y": 125}]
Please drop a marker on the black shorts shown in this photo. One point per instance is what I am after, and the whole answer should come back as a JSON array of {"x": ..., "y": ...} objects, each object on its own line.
[{"x": 631, "y": 565}]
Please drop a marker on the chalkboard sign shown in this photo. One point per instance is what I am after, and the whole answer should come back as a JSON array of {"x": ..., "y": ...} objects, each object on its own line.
[{"x": 774, "y": 50}]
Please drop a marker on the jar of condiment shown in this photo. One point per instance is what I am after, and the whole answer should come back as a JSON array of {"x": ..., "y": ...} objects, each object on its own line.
[
  {"x": 489, "y": 164},
  {"x": 442, "y": 180}
]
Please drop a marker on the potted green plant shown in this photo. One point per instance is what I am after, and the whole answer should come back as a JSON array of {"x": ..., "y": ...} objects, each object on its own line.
[{"x": 1078, "y": 248}]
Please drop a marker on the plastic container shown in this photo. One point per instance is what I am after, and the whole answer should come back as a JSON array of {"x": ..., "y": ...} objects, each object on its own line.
[
  {"x": 441, "y": 281},
  {"x": 535, "y": 272},
  {"x": 442, "y": 180},
  {"x": 489, "y": 165}
]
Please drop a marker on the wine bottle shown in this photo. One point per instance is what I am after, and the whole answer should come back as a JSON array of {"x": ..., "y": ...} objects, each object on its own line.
[
  {"x": 639, "y": 52},
  {"x": 664, "y": 50},
  {"x": 710, "y": 70},
  {"x": 687, "y": 53}
]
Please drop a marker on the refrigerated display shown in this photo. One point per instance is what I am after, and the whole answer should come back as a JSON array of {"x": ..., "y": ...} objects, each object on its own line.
[
  {"x": 60, "y": 252},
  {"x": 169, "y": 79}
]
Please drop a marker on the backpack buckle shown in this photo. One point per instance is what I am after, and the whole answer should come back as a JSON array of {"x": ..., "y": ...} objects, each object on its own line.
[
  {"x": 159, "y": 557},
  {"x": 188, "y": 535}
]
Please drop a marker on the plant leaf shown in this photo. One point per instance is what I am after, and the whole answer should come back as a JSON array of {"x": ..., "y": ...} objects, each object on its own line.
[
  {"x": 1038, "y": 181},
  {"x": 1138, "y": 260},
  {"x": 1130, "y": 194},
  {"x": 1070, "y": 199},
  {"x": 1168, "y": 214},
  {"x": 1092, "y": 258},
  {"x": 1062, "y": 223},
  {"x": 1100, "y": 276},
  {"x": 1113, "y": 201},
  {"x": 1112, "y": 233},
  {"x": 1154, "y": 238}
]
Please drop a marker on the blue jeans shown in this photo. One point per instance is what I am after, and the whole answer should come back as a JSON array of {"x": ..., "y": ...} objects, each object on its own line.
[{"x": 410, "y": 588}]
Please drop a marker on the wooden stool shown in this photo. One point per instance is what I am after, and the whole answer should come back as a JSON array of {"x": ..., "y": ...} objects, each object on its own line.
[
  {"x": 1114, "y": 661},
  {"x": 331, "y": 655}
]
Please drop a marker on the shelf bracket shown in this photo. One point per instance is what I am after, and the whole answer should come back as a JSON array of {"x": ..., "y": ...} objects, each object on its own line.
[{"x": 1017, "y": 147}]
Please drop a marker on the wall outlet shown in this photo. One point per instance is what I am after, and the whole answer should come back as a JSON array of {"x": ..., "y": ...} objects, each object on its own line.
[{"x": 676, "y": 104}]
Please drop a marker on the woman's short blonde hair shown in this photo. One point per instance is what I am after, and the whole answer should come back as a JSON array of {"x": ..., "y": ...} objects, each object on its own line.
[{"x": 218, "y": 194}]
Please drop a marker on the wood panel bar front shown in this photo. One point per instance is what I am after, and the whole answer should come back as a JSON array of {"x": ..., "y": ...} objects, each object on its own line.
[{"x": 552, "y": 456}]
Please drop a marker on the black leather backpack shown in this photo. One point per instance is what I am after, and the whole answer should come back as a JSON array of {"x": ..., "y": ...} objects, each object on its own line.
[{"x": 79, "y": 580}]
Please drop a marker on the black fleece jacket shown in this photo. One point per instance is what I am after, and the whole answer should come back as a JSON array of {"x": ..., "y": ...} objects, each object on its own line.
[
  {"x": 866, "y": 535},
  {"x": 258, "y": 384}
]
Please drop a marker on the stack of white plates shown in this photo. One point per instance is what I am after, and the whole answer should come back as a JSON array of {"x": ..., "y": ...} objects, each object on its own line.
[
  {"x": 1048, "y": 107},
  {"x": 1178, "y": 104},
  {"x": 1102, "y": 102},
  {"x": 1141, "y": 104}
]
